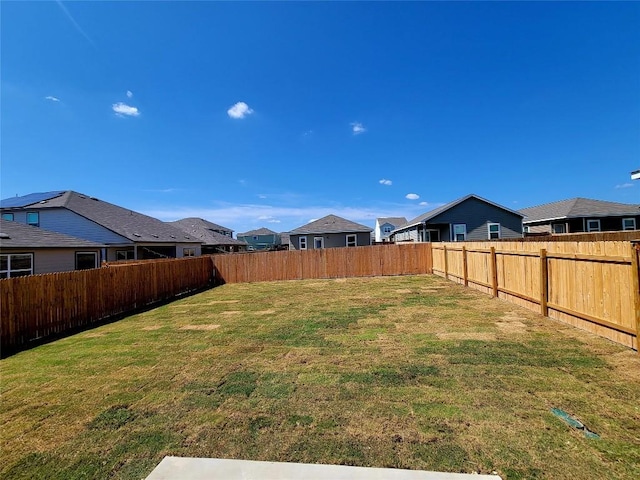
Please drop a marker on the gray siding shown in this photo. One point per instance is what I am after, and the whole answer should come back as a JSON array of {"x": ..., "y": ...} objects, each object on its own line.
[
  {"x": 477, "y": 215},
  {"x": 52, "y": 260},
  {"x": 331, "y": 240},
  {"x": 65, "y": 221}
]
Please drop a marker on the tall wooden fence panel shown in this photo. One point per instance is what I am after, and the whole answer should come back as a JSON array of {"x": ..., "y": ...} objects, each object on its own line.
[
  {"x": 591, "y": 285},
  {"x": 403, "y": 259},
  {"x": 40, "y": 306}
]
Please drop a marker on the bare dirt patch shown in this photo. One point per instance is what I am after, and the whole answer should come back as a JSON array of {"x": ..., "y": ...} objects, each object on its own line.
[
  {"x": 231, "y": 312},
  {"x": 200, "y": 327},
  {"x": 152, "y": 327},
  {"x": 265, "y": 312},
  {"x": 482, "y": 336}
]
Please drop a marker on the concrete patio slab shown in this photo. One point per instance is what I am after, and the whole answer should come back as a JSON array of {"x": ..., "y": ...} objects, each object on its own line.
[{"x": 181, "y": 468}]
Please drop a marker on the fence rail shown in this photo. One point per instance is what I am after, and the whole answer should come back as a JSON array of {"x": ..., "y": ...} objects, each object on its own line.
[
  {"x": 41, "y": 306},
  {"x": 405, "y": 259},
  {"x": 590, "y": 285}
]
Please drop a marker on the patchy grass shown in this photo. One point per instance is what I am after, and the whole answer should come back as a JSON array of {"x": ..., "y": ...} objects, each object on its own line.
[{"x": 406, "y": 372}]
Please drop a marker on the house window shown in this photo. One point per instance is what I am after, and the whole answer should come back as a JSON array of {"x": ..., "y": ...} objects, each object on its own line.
[
  {"x": 559, "y": 228},
  {"x": 16, "y": 265},
  {"x": 33, "y": 218},
  {"x": 255, "y": 237},
  {"x": 525, "y": 228},
  {"x": 387, "y": 229},
  {"x": 188, "y": 252},
  {"x": 7, "y": 216},
  {"x": 432, "y": 235},
  {"x": 593, "y": 225},
  {"x": 303, "y": 243},
  {"x": 628, "y": 224},
  {"x": 318, "y": 242},
  {"x": 494, "y": 231},
  {"x": 459, "y": 232},
  {"x": 86, "y": 260},
  {"x": 125, "y": 255},
  {"x": 352, "y": 240}
]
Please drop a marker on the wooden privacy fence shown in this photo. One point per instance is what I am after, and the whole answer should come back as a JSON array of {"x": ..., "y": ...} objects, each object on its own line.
[
  {"x": 405, "y": 259},
  {"x": 590, "y": 285},
  {"x": 40, "y": 306}
]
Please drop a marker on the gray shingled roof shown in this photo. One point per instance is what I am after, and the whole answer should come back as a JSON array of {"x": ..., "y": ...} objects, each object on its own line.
[
  {"x": 395, "y": 221},
  {"x": 259, "y": 231},
  {"x": 437, "y": 211},
  {"x": 134, "y": 226},
  {"x": 578, "y": 208},
  {"x": 19, "y": 235},
  {"x": 205, "y": 231},
  {"x": 330, "y": 224}
]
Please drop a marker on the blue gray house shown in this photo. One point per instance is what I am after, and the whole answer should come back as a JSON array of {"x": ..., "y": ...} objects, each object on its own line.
[
  {"x": 260, "y": 239},
  {"x": 468, "y": 218}
]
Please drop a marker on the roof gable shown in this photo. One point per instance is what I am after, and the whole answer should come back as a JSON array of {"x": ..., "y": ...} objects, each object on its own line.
[
  {"x": 259, "y": 231},
  {"x": 205, "y": 231},
  {"x": 331, "y": 224}
]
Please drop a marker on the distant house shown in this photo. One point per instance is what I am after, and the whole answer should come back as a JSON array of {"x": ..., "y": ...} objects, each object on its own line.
[
  {"x": 385, "y": 225},
  {"x": 126, "y": 234},
  {"x": 214, "y": 238},
  {"x": 29, "y": 250},
  {"x": 581, "y": 215},
  {"x": 260, "y": 239},
  {"x": 328, "y": 232},
  {"x": 468, "y": 218}
]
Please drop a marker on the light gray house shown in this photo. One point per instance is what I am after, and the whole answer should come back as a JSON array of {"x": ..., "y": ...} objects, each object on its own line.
[
  {"x": 329, "y": 232},
  {"x": 468, "y": 218},
  {"x": 29, "y": 250},
  {"x": 260, "y": 239},
  {"x": 126, "y": 234},
  {"x": 386, "y": 225},
  {"x": 581, "y": 215},
  {"x": 214, "y": 238}
]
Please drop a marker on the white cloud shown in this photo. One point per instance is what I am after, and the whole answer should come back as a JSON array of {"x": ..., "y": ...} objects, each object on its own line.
[
  {"x": 262, "y": 196},
  {"x": 384, "y": 181},
  {"x": 357, "y": 128},
  {"x": 412, "y": 196},
  {"x": 124, "y": 109},
  {"x": 423, "y": 204},
  {"x": 53, "y": 99},
  {"x": 239, "y": 110},
  {"x": 625, "y": 185},
  {"x": 129, "y": 94}
]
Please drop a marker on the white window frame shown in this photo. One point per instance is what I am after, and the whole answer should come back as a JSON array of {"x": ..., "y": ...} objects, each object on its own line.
[
  {"x": 525, "y": 229},
  {"x": 387, "y": 229},
  {"x": 302, "y": 243},
  {"x": 127, "y": 254},
  {"x": 455, "y": 235},
  {"x": 555, "y": 225},
  {"x": 315, "y": 244},
  {"x": 354, "y": 240},
  {"x": 95, "y": 259},
  {"x": 589, "y": 228},
  {"x": 188, "y": 252},
  {"x": 7, "y": 273},
  {"x": 489, "y": 225},
  {"x": 633, "y": 223}
]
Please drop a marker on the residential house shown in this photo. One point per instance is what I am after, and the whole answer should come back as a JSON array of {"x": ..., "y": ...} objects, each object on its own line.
[
  {"x": 581, "y": 215},
  {"x": 29, "y": 250},
  {"x": 329, "y": 232},
  {"x": 385, "y": 225},
  {"x": 126, "y": 234},
  {"x": 260, "y": 239},
  {"x": 468, "y": 218},
  {"x": 214, "y": 238}
]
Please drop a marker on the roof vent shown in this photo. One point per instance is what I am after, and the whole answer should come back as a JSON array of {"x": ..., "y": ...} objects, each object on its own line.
[
  {"x": 94, "y": 198},
  {"x": 137, "y": 235},
  {"x": 4, "y": 235},
  {"x": 154, "y": 235},
  {"x": 172, "y": 236}
]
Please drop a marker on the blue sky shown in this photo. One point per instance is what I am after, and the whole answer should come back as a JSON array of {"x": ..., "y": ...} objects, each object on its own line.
[{"x": 272, "y": 114}]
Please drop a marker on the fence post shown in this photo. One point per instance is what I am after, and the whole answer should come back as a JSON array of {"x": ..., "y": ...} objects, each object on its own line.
[
  {"x": 446, "y": 275},
  {"x": 544, "y": 283},
  {"x": 465, "y": 273},
  {"x": 635, "y": 288},
  {"x": 494, "y": 271}
]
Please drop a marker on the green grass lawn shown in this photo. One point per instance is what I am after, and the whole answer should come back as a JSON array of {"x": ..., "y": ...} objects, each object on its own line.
[{"x": 404, "y": 372}]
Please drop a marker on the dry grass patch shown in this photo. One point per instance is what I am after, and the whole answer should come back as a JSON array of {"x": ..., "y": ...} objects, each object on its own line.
[{"x": 406, "y": 372}]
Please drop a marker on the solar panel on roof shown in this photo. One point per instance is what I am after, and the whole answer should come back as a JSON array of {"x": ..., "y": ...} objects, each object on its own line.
[{"x": 25, "y": 200}]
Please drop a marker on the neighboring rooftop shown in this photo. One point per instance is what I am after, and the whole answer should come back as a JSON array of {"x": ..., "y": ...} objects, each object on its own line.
[
  {"x": 395, "y": 221},
  {"x": 330, "y": 224},
  {"x": 206, "y": 231},
  {"x": 134, "y": 226},
  {"x": 19, "y": 235},
  {"x": 259, "y": 231},
  {"x": 578, "y": 208}
]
